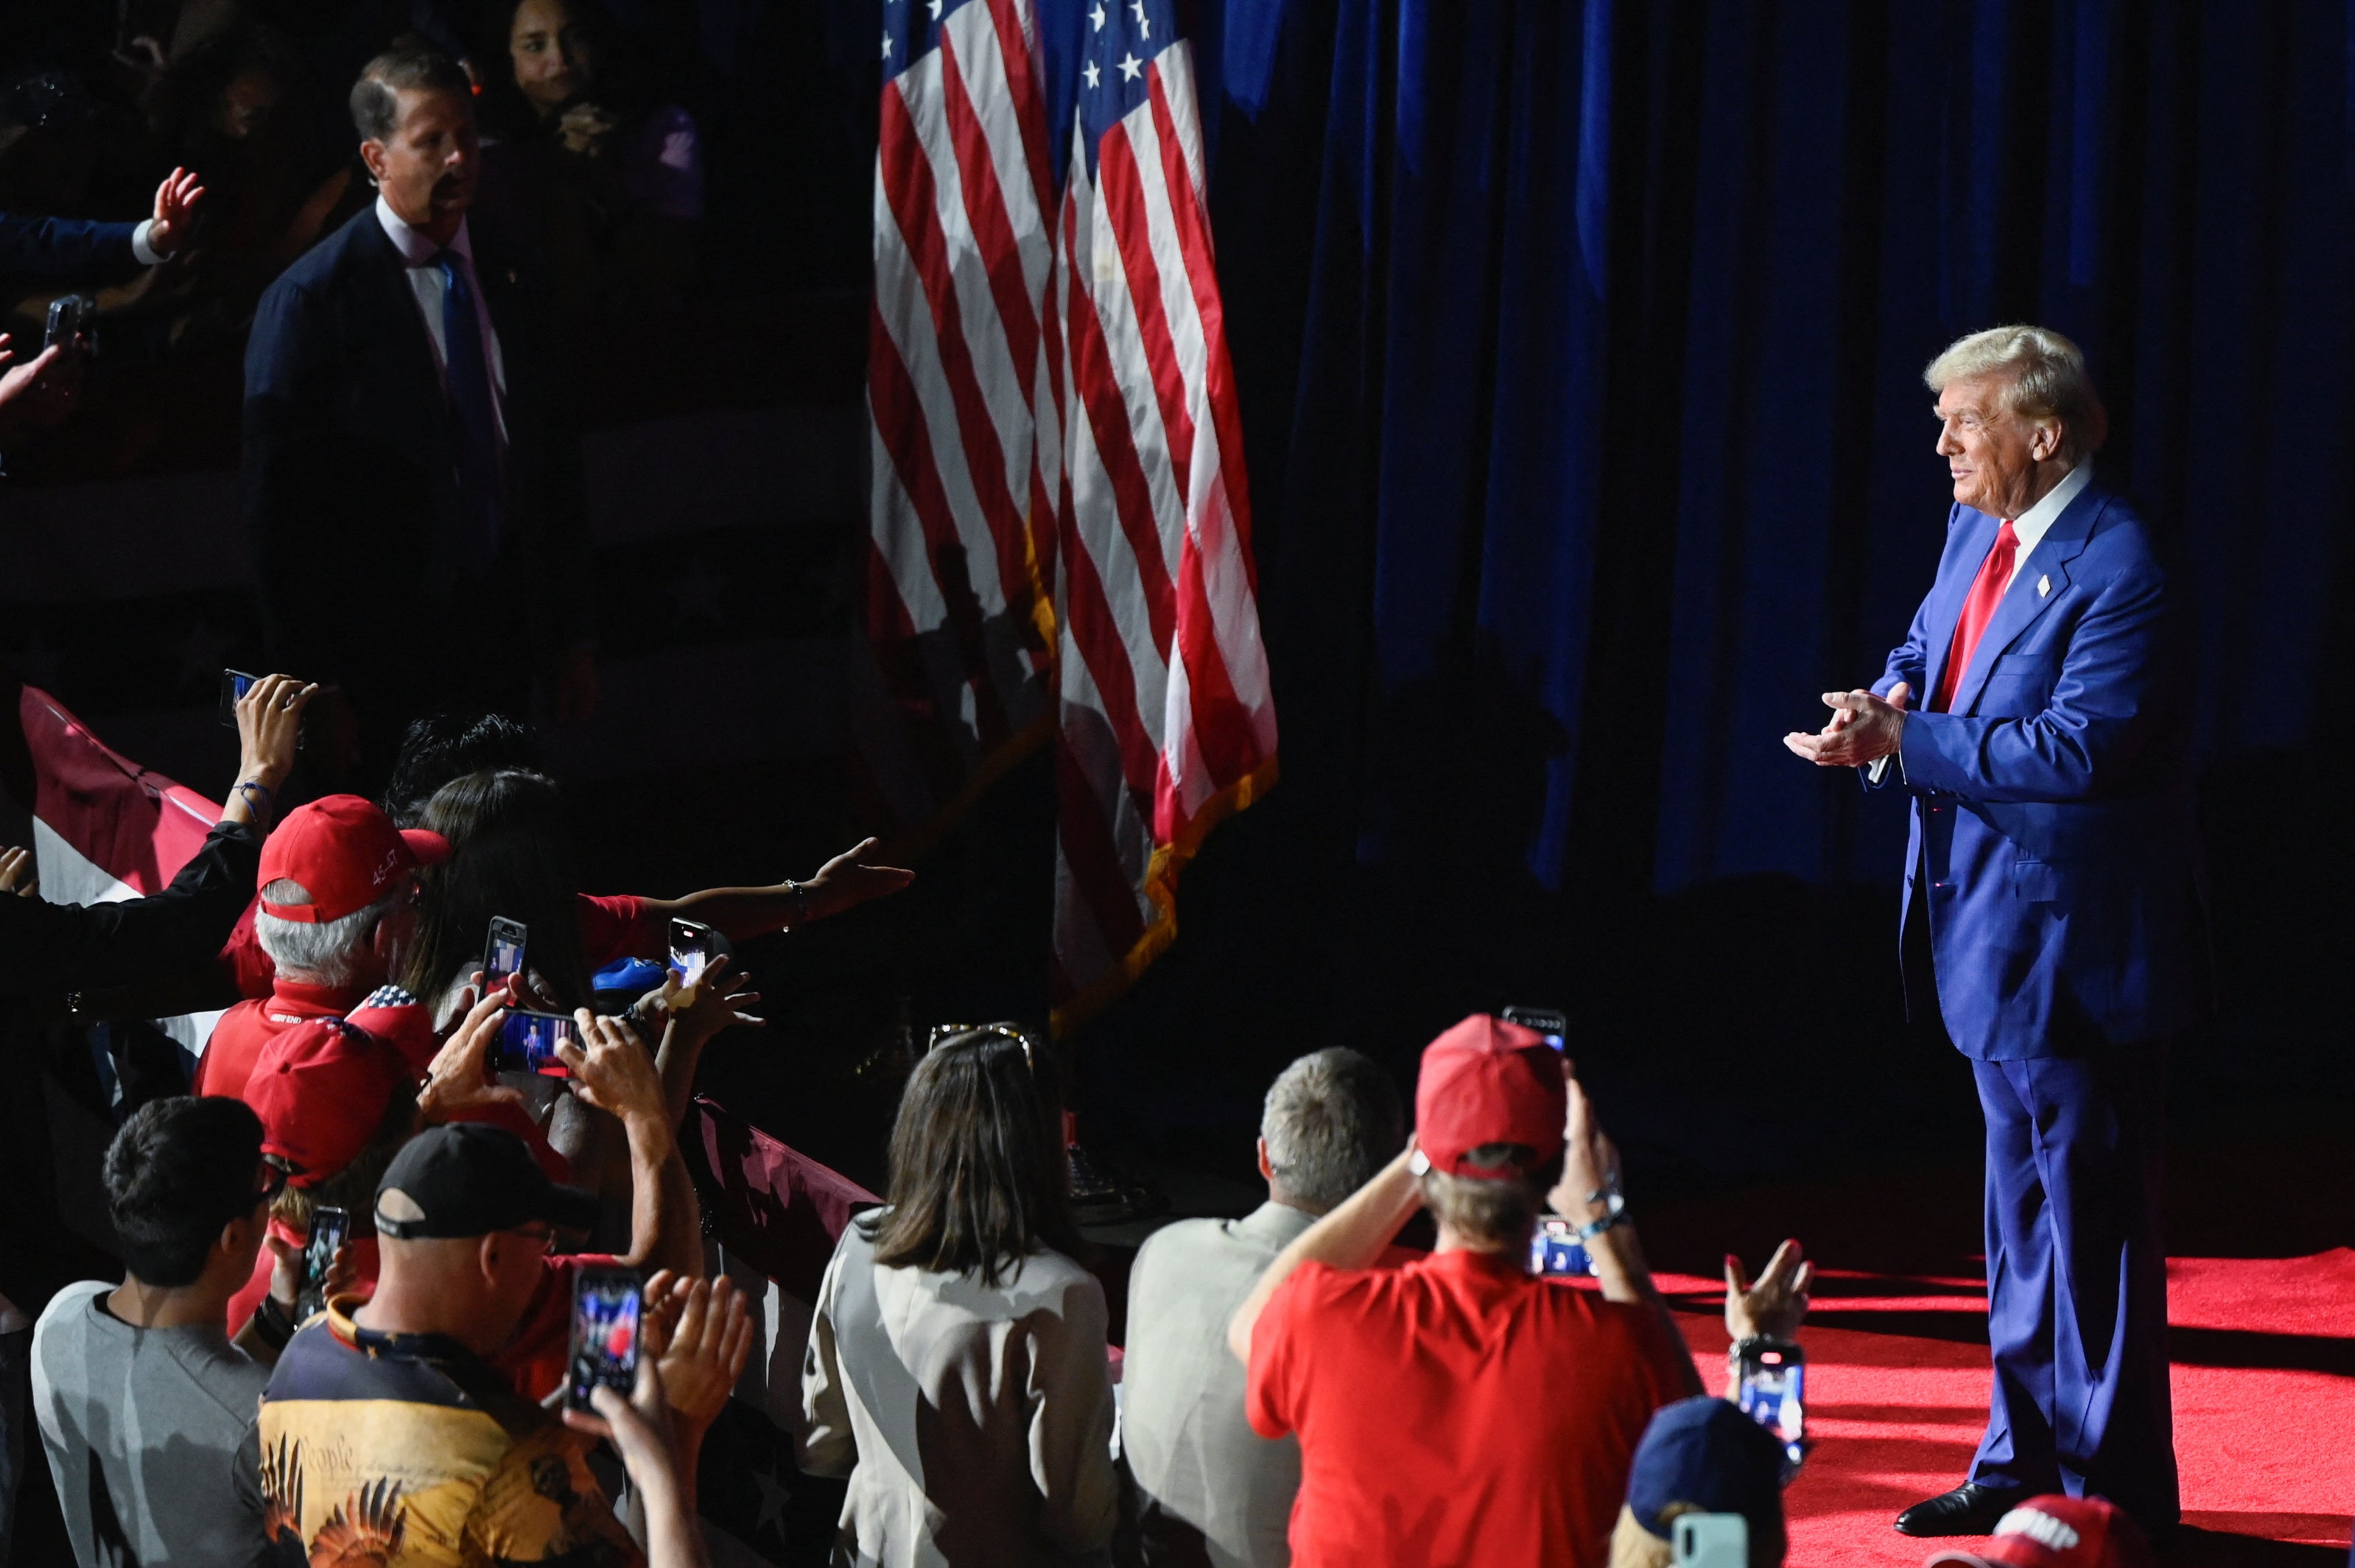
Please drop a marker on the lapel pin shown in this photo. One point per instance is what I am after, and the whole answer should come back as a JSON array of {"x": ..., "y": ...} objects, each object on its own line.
[{"x": 2043, "y": 586}]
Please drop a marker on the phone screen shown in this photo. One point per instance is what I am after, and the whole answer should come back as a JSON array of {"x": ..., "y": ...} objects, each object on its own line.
[
  {"x": 1555, "y": 1250},
  {"x": 329, "y": 1229},
  {"x": 690, "y": 948},
  {"x": 235, "y": 684},
  {"x": 527, "y": 1042},
  {"x": 502, "y": 952},
  {"x": 606, "y": 1303},
  {"x": 1774, "y": 1395},
  {"x": 1548, "y": 1022}
]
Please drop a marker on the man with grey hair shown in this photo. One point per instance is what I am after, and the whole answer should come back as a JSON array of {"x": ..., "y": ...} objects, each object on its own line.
[
  {"x": 336, "y": 912},
  {"x": 1214, "y": 1491},
  {"x": 2039, "y": 712}
]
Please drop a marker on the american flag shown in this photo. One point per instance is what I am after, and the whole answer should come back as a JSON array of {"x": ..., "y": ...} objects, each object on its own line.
[{"x": 1132, "y": 556}]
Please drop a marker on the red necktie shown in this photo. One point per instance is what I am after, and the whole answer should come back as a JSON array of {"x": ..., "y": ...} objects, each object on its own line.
[{"x": 1987, "y": 593}]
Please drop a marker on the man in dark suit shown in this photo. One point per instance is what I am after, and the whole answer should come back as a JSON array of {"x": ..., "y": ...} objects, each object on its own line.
[
  {"x": 413, "y": 489},
  {"x": 2053, "y": 910}
]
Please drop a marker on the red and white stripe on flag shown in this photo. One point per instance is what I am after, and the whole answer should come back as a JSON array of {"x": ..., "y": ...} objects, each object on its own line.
[
  {"x": 960, "y": 560},
  {"x": 106, "y": 829},
  {"x": 1166, "y": 720}
]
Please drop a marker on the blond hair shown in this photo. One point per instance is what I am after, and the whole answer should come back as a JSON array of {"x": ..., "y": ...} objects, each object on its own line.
[{"x": 2046, "y": 376}]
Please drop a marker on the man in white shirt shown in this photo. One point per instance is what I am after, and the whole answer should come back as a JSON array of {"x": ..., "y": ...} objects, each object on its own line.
[
  {"x": 413, "y": 487},
  {"x": 1213, "y": 1490}
]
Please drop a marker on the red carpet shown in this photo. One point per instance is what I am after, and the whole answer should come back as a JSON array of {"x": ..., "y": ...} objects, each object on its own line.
[{"x": 2264, "y": 1352}]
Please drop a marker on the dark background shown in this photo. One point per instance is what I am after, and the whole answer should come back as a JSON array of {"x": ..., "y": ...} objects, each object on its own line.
[{"x": 1580, "y": 352}]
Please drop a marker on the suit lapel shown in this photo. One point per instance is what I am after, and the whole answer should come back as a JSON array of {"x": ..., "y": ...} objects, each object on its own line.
[
  {"x": 1946, "y": 596},
  {"x": 2022, "y": 605}
]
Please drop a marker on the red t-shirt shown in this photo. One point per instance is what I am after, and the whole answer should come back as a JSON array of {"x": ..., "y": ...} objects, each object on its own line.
[
  {"x": 238, "y": 1039},
  {"x": 620, "y": 926},
  {"x": 1456, "y": 1412},
  {"x": 612, "y": 925}
]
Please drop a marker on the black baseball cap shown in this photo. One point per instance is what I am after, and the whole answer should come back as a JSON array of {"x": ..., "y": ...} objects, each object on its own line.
[{"x": 468, "y": 1179}]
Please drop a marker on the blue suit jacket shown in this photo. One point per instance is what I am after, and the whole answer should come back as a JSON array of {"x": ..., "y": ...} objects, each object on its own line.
[
  {"x": 2053, "y": 835},
  {"x": 64, "y": 247},
  {"x": 349, "y": 473}
]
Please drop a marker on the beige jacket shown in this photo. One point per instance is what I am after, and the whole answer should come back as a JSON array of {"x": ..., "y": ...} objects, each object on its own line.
[{"x": 975, "y": 1422}]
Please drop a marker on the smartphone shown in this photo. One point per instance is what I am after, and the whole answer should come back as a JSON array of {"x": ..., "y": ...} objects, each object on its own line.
[
  {"x": 527, "y": 1042},
  {"x": 235, "y": 684},
  {"x": 503, "y": 953},
  {"x": 69, "y": 319},
  {"x": 1711, "y": 1541},
  {"x": 1553, "y": 1025},
  {"x": 1774, "y": 1395},
  {"x": 330, "y": 1227},
  {"x": 693, "y": 946},
  {"x": 1556, "y": 1250},
  {"x": 606, "y": 1306}
]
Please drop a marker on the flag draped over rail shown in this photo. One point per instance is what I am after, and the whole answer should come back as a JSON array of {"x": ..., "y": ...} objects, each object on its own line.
[{"x": 1061, "y": 528}]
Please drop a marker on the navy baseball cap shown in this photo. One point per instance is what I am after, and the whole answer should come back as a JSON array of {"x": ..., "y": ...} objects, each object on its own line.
[
  {"x": 468, "y": 1179},
  {"x": 1706, "y": 1454}
]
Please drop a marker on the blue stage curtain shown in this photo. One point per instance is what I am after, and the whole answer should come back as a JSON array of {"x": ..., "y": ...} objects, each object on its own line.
[{"x": 1596, "y": 444}]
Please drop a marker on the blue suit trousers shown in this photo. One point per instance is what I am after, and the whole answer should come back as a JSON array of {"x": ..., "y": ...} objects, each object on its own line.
[{"x": 2077, "y": 1279}]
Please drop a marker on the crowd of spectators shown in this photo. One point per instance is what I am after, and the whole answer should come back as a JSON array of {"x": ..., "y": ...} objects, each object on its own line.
[{"x": 1296, "y": 1385}]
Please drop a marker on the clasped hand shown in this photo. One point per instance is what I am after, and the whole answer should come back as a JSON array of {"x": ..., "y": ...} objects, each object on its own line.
[{"x": 1863, "y": 729}]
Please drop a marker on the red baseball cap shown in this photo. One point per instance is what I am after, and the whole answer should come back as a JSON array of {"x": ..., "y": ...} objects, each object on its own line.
[
  {"x": 346, "y": 853},
  {"x": 2060, "y": 1532},
  {"x": 321, "y": 1088},
  {"x": 402, "y": 1021},
  {"x": 1489, "y": 1082}
]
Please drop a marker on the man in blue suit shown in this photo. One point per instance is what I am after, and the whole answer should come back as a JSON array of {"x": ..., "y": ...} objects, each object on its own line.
[
  {"x": 2039, "y": 712},
  {"x": 413, "y": 487}
]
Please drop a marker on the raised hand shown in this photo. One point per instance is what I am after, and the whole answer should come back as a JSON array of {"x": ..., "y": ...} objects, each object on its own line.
[
  {"x": 1775, "y": 1304},
  {"x": 713, "y": 1001},
  {"x": 847, "y": 881},
  {"x": 458, "y": 1080},
  {"x": 175, "y": 202},
  {"x": 611, "y": 1070}
]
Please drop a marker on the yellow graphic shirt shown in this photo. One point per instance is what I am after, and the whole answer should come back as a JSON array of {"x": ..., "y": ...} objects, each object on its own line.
[{"x": 409, "y": 1450}]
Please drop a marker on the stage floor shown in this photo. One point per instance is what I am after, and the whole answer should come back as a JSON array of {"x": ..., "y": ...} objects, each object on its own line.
[{"x": 2262, "y": 1333}]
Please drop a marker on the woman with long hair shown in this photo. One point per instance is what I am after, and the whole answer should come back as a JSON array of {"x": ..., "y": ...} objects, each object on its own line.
[
  {"x": 956, "y": 1368},
  {"x": 511, "y": 855}
]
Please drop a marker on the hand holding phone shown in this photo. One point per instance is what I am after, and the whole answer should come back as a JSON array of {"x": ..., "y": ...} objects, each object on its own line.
[
  {"x": 1773, "y": 1393},
  {"x": 608, "y": 1307},
  {"x": 330, "y": 1227}
]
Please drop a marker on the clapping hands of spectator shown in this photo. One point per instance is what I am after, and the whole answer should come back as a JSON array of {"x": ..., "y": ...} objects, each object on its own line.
[
  {"x": 1774, "y": 1305},
  {"x": 19, "y": 873},
  {"x": 847, "y": 881},
  {"x": 176, "y": 204},
  {"x": 458, "y": 1080},
  {"x": 702, "y": 1334},
  {"x": 587, "y": 129}
]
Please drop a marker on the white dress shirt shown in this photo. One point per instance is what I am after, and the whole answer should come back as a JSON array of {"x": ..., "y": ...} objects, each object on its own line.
[
  {"x": 2032, "y": 525},
  {"x": 427, "y": 284}
]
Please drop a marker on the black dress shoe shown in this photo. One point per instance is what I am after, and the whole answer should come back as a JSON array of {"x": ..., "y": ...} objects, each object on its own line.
[{"x": 1967, "y": 1510}]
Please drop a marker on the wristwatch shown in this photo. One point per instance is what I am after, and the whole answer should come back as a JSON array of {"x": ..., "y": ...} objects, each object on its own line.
[{"x": 1614, "y": 1212}]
